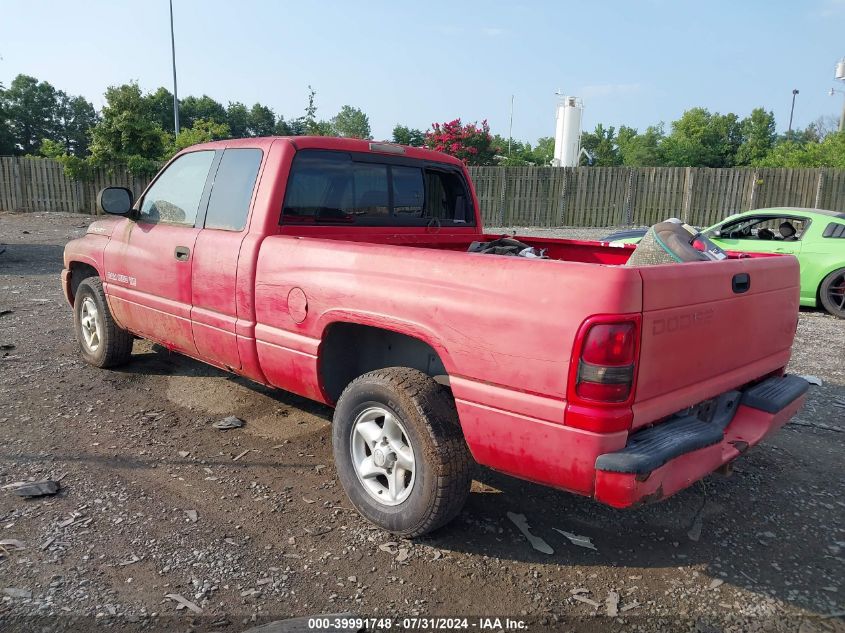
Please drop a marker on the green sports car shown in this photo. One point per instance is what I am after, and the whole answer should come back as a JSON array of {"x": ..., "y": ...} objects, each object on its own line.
[{"x": 815, "y": 236}]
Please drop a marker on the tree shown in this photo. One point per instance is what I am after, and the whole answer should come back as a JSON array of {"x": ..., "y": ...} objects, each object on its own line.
[
  {"x": 758, "y": 137},
  {"x": 7, "y": 144},
  {"x": 261, "y": 121},
  {"x": 640, "y": 150},
  {"x": 202, "y": 132},
  {"x": 830, "y": 152},
  {"x": 351, "y": 122},
  {"x": 702, "y": 139},
  {"x": 128, "y": 132},
  {"x": 160, "y": 104},
  {"x": 469, "y": 143},
  {"x": 544, "y": 151},
  {"x": 237, "y": 118},
  {"x": 31, "y": 109},
  {"x": 601, "y": 145},
  {"x": 204, "y": 107},
  {"x": 74, "y": 119},
  {"x": 408, "y": 136}
]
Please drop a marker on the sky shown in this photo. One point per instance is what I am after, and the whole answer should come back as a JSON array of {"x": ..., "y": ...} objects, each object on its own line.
[{"x": 635, "y": 62}]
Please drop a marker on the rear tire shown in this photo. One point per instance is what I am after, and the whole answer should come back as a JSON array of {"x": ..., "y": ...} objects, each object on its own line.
[
  {"x": 400, "y": 454},
  {"x": 832, "y": 293},
  {"x": 102, "y": 342}
]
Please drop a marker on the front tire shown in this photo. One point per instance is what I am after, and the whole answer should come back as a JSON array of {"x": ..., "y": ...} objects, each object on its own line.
[
  {"x": 102, "y": 342},
  {"x": 399, "y": 451},
  {"x": 832, "y": 293}
]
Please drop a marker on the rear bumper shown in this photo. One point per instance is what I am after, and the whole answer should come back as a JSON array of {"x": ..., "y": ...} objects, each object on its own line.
[{"x": 660, "y": 461}]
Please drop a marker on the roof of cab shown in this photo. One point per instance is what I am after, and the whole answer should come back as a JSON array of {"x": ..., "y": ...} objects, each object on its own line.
[{"x": 332, "y": 143}]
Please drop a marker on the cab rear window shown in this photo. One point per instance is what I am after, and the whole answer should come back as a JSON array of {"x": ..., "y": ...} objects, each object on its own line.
[{"x": 330, "y": 187}]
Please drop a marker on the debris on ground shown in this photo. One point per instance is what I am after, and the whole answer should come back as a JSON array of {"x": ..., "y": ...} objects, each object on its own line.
[
  {"x": 628, "y": 607},
  {"x": 17, "y": 592},
  {"x": 183, "y": 603},
  {"x": 192, "y": 515},
  {"x": 577, "y": 539},
  {"x": 132, "y": 559},
  {"x": 536, "y": 542},
  {"x": 813, "y": 380},
  {"x": 229, "y": 422},
  {"x": 7, "y": 346},
  {"x": 241, "y": 454},
  {"x": 716, "y": 583},
  {"x": 815, "y": 425},
  {"x": 33, "y": 488},
  {"x": 389, "y": 547},
  {"x": 611, "y": 603},
  {"x": 10, "y": 544},
  {"x": 581, "y": 598},
  {"x": 694, "y": 532},
  {"x": 317, "y": 531},
  {"x": 403, "y": 555},
  {"x": 183, "y": 454}
]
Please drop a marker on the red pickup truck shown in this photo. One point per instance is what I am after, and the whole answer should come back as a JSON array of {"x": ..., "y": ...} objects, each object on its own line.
[{"x": 338, "y": 269}]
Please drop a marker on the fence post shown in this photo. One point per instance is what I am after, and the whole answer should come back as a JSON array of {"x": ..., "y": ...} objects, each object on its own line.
[
  {"x": 819, "y": 188},
  {"x": 685, "y": 213},
  {"x": 753, "y": 199},
  {"x": 18, "y": 188},
  {"x": 504, "y": 175},
  {"x": 564, "y": 192},
  {"x": 629, "y": 197}
]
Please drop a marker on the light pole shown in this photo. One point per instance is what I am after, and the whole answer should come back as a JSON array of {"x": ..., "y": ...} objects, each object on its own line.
[
  {"x": 173, "y": 56},
  {"x": 791, "y": 112},
  {"x": 510, "y": 129}
]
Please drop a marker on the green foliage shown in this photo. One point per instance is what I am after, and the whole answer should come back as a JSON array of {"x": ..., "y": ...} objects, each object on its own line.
[
  {"x": 702, "y": 139},
  {"x": 758, "y": 137},
  {"x": 830, "y": 152},
  {"x": 351, "y": 122},
  {"x": 160, "y": 104},
  {"x": 204, "y": 107},
  {"x": 128, "y": 132},
  {"x": 74, "y": 119},
  {"x": 640, "y": 150},
  {"x": 237, "y": 117},
  {"x": 30, "y": 106},
  {"x": 203, "y": 131},
  {"x": 7, "y": 144},
  {"x": 408, "y": 136},
  {"x": 261, "y": 121},
  {"x": 601, "y": 145}
]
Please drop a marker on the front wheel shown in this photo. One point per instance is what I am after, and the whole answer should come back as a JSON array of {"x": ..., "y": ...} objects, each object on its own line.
[
  {"x": 399, "y": 451},
  {"x": 832, "y": 293},
  {"x": 102, "y": 342}
]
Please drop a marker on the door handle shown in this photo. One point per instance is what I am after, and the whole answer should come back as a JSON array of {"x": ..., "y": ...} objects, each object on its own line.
[{"x": 182, "y": 253}]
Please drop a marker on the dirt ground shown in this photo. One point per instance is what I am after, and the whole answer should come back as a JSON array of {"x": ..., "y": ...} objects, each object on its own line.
[{"x": 155, "y": 501}]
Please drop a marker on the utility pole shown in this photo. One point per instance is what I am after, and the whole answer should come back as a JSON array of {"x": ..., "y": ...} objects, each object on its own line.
[
  {"x": 510, "y": 129},
  {"x": 839, "y": 74},
  {"x": 173, "y": 56},
  {"x": 791, "y": 112}
]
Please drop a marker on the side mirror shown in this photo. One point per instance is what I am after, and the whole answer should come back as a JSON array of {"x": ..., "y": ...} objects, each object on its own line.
[
  {"x": 115, "y": 200},
  {"x": 716, "y": 233}
]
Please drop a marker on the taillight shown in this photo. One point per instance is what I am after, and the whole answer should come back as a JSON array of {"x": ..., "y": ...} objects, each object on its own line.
[
  {"x": 602, "y": 374},
  {"x": 606, "y": 366}
]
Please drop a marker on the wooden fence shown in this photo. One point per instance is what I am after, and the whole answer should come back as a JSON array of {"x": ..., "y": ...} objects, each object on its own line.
[
  {"x": 516, "y": 196},
  {"x": 40, "y": 184},
  {"x": 616, "y": 196}
]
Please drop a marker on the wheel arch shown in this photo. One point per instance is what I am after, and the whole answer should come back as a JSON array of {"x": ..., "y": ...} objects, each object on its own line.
[
  {"x": 79, "y": 271},
  {"x": 350, "y": 348}
]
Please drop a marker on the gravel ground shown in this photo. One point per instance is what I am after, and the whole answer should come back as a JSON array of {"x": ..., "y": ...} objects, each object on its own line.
[{"x": 251, "y": 525}]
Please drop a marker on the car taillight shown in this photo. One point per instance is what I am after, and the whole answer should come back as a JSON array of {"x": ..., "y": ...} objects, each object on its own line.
[
  {"x": 606, "y": 367},
  {"x": 603, "y": 373}
]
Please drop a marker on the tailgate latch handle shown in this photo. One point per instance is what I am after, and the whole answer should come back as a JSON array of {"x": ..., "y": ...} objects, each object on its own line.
[{"x": 741, "y": 283}]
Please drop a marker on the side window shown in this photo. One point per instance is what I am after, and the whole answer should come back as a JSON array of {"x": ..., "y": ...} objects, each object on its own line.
[
  {"x": 174, "y": 197},
  {"x": 408, "y": 190},
  {"x": 231, "y": 193},
  {"x": 370, "y": 192}
]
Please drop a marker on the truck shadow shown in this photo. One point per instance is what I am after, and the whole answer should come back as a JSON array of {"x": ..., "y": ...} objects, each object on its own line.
[{"x": 31, "y": 259}]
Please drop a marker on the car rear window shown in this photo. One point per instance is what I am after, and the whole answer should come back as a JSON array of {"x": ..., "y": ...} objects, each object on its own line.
[{"x": 330, "y": 187}]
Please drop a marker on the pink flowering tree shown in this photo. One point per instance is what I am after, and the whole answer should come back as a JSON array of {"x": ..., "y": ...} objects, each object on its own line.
[{"x": 470, "y": 143}]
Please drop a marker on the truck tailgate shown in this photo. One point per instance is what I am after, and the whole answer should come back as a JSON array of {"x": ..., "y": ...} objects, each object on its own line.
[{"x": 712, "y": 326}]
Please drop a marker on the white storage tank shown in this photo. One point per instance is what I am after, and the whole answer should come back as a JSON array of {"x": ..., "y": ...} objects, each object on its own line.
[
  {"x": 840, "y": 69},
  {"x": 568, "y": 132}
]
